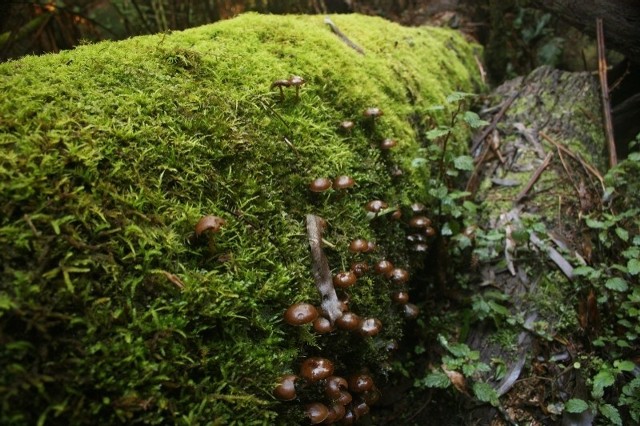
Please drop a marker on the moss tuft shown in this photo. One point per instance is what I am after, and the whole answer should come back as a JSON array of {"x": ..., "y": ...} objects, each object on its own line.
[{"x": 110, "y": 308}]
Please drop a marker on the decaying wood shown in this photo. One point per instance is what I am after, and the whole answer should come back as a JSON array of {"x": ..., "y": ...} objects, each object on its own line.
[
  {"x": 552, "y": 112},
  {"x": 320, "y": 269},
  {"x": 604, "y": 89}
]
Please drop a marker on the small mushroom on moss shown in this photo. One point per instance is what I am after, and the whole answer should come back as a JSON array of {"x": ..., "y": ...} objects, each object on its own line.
[
  {"x": 400, "y": 297},
  {"x": 396, "y": 215},
  {"x": 359, "y": 245},
  {"x": 360, "y": 383},
  {"x": 280, "y": 84},
  {"x": 296, "y": 81},
  {"x": 322, "y": 325},
  {"x": 349, "y": 418},
  {"x": 373, "y": 112},
  {"x": 316, "y": 412},
  {"x": 320, "y": 184},
  {"x": 411, "y": 311},
  {"x": 344, "y": 279},
  {"x": 388, "y": 144},
  {"x": 429, "y": 231},
  {"x": 399, "y": 276},
  {"x": 348, "y": 321},
  {"x": 375, "y": 206},
  {"x": 420, "y": 222},
  {"x": 300, "y": 314},
  {"x": 286, "y": 388},
  {"x": 372, "y": 396},
  {"x": 333, "y": 387},
  {"x": 384, "y": 267},
  {"x": 359, "y": 268},
  {"x": 371, "y": 247},
  {"x": 360, "y": 408},
  {"x": 420, "y": 248},
  {"x": 347, "y": 125},
  {"x": 370, "y": 327},
  {"x": 316, "y": 368},
  {"x": 343, "y": 182},
  {"x": 208, "y": 224},
  {"x": 418, "y": 208}
]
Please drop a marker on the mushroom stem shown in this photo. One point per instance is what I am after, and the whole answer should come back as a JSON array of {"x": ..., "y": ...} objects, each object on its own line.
[{"x": 320, "y": 269}]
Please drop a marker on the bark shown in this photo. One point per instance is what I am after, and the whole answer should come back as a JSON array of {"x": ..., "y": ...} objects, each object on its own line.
[{"x": 621, "y": 20}]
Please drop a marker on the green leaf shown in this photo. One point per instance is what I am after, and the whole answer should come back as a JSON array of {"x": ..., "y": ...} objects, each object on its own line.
[
  {"x": 485, "y": 393},
  {"x": 473, "y": 120},
  {"x": 616, "y": 284},
  {"x": 623, "y": 234},
  {"x": 457, "y": 97},
  {"x": 435, "y": 380},
  {"x": 624, "y": 365},
  {"x": 603, "y": 379},
  {"x": 463, "y": 162},
  {"x": 437, "y": 132},
  {"x": 575, "y": 405},
  {"x": 594, "y": 224},
  {"x": 611, "y": 413},
  {"x": 583, "y": 270},
  {"x": 633, "y": 265},
  {"x": 418, "y": 162}
]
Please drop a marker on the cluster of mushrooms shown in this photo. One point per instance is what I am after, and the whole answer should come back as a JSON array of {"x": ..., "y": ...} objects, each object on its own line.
[{"x": 329, "y": 398}]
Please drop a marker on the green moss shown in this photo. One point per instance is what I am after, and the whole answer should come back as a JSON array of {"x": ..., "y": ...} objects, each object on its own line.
[{"x": 110, "y": 154}]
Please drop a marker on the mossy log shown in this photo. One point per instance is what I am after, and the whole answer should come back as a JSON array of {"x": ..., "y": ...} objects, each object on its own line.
[
  {"x": 111, "y": 310},
  {"x": 538, "y": 176}
]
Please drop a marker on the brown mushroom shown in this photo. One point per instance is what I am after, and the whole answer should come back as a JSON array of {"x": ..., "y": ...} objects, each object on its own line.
[
  {"x": 208, "y": 224},
  {"x": 296, "y": 81},
  {"x": 388, "y": 144},
  {"x": 384, "y": 267},
  {"x": 400, "y": 297},
  {"x": 399, "y": 276},
  {"x": 348, "y": 321},
  {"x": 286, "y": 389},
  {"x": 334, "y": 385},
  {"x": 316, "y": 368},
  {"x": 344, "y": 279},
  {"x": 343, "y": 182},
  {"x": 373, "y": 112},
  {"x": 322, "y": 325},
  {"x": 370, "y": 327},
  {"x": 360, "y": 268},
  {"x": 411, "y": 311},
  {"x": 375, "y": 206},
  {"x": 320, "y": 184},
  {"x": 300, "y": 313},
  {"x": 347, "y": 125},
  {"x": 316, "y": 412},
  {"x": 360, "y": 383},
  {"x": 419, "y": 222},
  {"x": 359, "y": 245},
  {"x": 336, "y": 412}
]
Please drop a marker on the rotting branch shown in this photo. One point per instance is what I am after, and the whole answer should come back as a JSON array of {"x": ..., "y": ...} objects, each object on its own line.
[{"x": 320, "y": 268}]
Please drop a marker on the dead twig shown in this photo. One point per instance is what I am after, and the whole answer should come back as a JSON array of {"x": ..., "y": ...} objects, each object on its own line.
[
  {"x": 534, "y": 178},
  {"x": 320, "y": 269},
  {"x": 591, "y": 169},
  {"x": 342, "y": 36},
  {"x": 604, "y": 89},
  {"x": 477, "y": 141}
]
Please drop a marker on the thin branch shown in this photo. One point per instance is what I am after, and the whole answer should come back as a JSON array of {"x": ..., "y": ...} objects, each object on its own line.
[
  {"x": 566, "y": 150},
  {"x": 477, "y": 141},
  {"x": 342, "y": 36},
  {"x": 604, "y": 88},
  {"x": 320, "y": 269},
  {"x": 534, "y": 178}
]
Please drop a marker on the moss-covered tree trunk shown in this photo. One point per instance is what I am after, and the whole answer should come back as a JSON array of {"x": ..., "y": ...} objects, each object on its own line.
[{"x": 112, "y": 309}]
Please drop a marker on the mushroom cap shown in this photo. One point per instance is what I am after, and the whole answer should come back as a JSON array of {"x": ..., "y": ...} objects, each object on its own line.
[
  {"x": 286, "y": 389},
  {"x": 300, "y": 313},
  {"x": 359, "y": 245},
  {"x": 347, "y": 125},
  {"x": 360, "y": 383},
  {"x": 348, "y": 321},
  {"x": 209, "y": 223},
  {"x": 400, "y": 297},
  {"x": 419, "y": 222},
  {"x": 411, "y": 311},
  {"x": 360, "y": 268},
  {"x": 281, "y": 83},
  {"x": 388, "y": 143},
  {"x": 296, "y": 80},
  {"x": 373, "y": 112},
  {"x": 320, "y": 184},
  {"x": 316, "y": 368},
  {"x": 345, "y": 397},
  {"x": 399, "y": 276},
  {"x": 418, "y": 208},
  {"x": 374, "y": 206},
  {"x": 344, "y": 279},
  {"x": 334, "y": 385},
  {"x": 370, "y": 326},
  {"x": 317, "y": 412},
  {"x": 322, "y": 325},
  {"x": 336, "y": 412},
  {"x": 343, "y": 182},
  {"x": 384, "y": 267}
]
